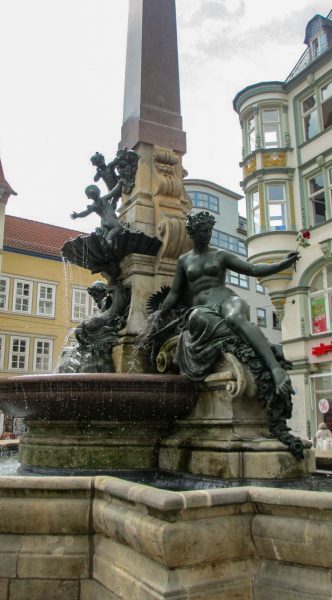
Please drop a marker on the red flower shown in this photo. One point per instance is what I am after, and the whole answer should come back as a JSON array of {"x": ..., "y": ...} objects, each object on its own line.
[{"x": 306, "y": 234}]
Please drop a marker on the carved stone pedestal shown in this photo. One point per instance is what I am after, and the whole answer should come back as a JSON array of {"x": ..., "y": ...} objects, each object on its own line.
[{"x": 226, "y": 434}]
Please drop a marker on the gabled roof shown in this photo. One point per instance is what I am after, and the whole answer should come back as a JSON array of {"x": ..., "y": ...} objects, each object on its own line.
[
  {"x": 36, "y": 237},
  {"x": 5, "y": 189}
]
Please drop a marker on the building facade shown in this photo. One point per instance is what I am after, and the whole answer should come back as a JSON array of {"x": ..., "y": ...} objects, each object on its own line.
[
  {"x": 287, "y": 181},
  {"x": 41, "y": 298},
  {"x": 230, "y": 233}
]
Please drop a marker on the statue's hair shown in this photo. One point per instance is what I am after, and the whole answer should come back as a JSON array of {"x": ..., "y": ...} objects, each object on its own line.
[
  {"x": 194, "y": 220},
  {"x": 92, "y": 188},
  {"x": 97, "y": 285}
]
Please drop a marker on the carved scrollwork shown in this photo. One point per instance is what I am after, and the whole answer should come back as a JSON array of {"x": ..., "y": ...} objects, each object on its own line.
[
  {"x": 168, "y": 183},
  {"x": 174, "y": 237}
]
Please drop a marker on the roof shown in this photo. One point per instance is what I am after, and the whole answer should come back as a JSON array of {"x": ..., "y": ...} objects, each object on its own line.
[
  {"x": 36, "y": 237},
  {"x": 5, "y": 188}
]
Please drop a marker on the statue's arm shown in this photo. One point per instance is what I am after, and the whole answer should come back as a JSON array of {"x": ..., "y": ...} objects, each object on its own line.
[
  {"x": 174, "y": 294},
  {"x": 84, "y": 213},
  {"x": 260, "y": 269}
]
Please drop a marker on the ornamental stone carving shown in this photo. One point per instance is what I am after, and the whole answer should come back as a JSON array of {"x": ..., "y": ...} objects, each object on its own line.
[
  {"x": 274, "y": 159},
  {"x": 168, "y": 183}
]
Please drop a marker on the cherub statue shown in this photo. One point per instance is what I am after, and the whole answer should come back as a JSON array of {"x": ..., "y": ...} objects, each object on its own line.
[{"x": 104, "y": 206}]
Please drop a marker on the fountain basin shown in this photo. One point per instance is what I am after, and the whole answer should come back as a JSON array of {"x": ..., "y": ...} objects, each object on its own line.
[
  {"x": 98, "y": 396},
  {"x": 95, "y": 421}
]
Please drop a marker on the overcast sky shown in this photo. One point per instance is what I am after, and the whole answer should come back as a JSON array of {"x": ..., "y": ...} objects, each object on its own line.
[{"x": 62, "y": 80}]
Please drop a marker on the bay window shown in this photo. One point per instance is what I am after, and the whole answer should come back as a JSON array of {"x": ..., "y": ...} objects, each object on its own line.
[
  {"x": 271, "y": 128},
  {"x": 276, "y": 206},
  {"x": 255, "y": 212}
]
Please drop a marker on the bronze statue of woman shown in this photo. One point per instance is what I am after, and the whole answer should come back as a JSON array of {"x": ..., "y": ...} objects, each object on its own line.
[{"x": 200, "y": 275}]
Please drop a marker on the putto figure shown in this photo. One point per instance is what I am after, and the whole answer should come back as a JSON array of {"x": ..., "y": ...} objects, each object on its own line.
[
  {"x": 105, "y": 207},
  {"x": 200, "y": 276}
]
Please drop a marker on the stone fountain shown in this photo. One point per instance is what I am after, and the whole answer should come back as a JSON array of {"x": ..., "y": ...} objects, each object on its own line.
[{"x": 180, "y": 447}]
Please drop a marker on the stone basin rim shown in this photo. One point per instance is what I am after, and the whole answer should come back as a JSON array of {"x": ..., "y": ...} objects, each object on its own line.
[{"x": 97, "y": 396}]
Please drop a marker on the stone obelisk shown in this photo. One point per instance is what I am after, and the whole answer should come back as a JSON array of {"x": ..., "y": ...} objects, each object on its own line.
[{"x": 152, "y": 125}]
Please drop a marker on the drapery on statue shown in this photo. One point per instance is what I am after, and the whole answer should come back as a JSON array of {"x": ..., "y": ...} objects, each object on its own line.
[{"x": 211, "y": 319}]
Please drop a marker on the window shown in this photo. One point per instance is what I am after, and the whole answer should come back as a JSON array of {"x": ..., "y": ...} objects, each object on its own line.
[
  {"x": 330, "y": 185},
  {"x": 251, "y": 133},
  {"x": 42, "y": 360},
  {"x": 46, "y": 300},
  {"x": 229, "y": 242},
  {"x": 320, "y": 301},
  {"x": 204, "y": 201},
  {"x": 237, "y": 279},
  {"x": 255, "y": 212},
  {"x": 4, "y": 292},
  {"x": 277, "y": 207},
  {"x": 243, "y": 223},
  {"x": 2, "y": 350},
  {"x": 326, "y": 103},
  {"x": 80, "y": 304},
  {"x": 317, "y": 199},
  {"x": 271, "y": 128},
  {"x": 22, "y": 296},
  {"x": 259, "y": 287},
  {"x": 318, "y": 45},
  {"x": 276, "y": 321},
  {"x": 19, "y": 353},
  {"x": 310, "y": 117},
  {"x": 317, "y": 111},
  {"x": 261, "y": 317}
]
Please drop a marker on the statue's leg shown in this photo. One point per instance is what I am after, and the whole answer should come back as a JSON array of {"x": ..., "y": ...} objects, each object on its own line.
[{"x": 235, "y": 312}]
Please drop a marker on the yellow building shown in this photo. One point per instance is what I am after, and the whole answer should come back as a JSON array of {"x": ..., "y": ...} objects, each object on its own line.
[{"x": 41, "y": 298}]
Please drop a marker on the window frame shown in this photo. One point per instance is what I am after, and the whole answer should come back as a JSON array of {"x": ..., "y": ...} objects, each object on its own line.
[
  {"x": 50, "y": 356},
  {"x": 52, "y": 301},
  {"x": 18, "y": 281},
  {"x": 264, "y": 323},
  {"x": 73, "y": 304},
  {"x": 326, "y": 294},
  {"x": 253, "y": 210},
  {"x": 311, "y": 196},
  {"x": 6, "y": 292},
  {"x": 281, "y": 203},
  {"x": 208, "y": 201},
  {"x": 276, "y": 322},
  {"x": 276, "y": 125},
  {"x": 308, "y": 112},
  {"x": 26, "y": 354},
  {"x": 228, "y": 242},
  {"x": 2, "y": 350},
  {"x": 259, "y": 285},
  {"x": 240, "y": 277}
]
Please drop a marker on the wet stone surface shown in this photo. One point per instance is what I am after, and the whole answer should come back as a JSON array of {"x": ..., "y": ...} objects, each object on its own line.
[{"x": 321, "y": 481}]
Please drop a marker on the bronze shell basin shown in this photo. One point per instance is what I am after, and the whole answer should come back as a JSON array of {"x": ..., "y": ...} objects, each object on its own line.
[{"x": 97, "y": 396}]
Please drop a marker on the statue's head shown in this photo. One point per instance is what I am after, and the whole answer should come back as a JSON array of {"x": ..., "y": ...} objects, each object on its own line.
[
  {"x": 98, "y": 160},
  {"x": 198, "y": 221},
  {"x": 322, "y": 426},
  {"x": 97, "y": 290},
  {"x": 92, "y": 192}
]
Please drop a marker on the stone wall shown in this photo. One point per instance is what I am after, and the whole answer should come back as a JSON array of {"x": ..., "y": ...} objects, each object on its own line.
[{"x": 104, "y": 538}]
